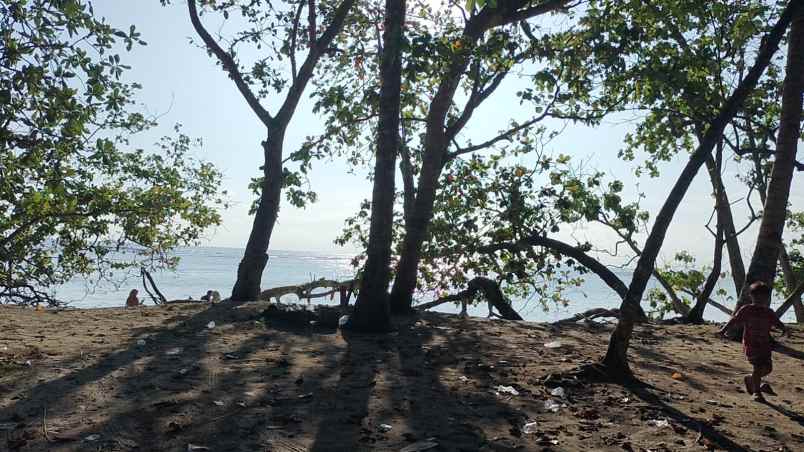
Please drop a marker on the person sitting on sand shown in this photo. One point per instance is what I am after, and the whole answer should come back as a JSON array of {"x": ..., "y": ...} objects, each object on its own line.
[
  {"x": 132, "y": 301},
  {"x": 757, "y": 320},
  {"x": 207, "y": 297}
]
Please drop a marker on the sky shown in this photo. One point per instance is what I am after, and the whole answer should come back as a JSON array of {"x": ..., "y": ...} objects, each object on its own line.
[{"x": 182, "y": 84}]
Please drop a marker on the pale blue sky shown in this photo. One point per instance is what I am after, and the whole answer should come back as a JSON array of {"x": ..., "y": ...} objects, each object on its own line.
[{"x": 183, "y": 84}]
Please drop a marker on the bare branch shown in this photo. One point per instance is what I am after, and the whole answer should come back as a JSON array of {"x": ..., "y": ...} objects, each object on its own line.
[{"x": 229, "y": 65}]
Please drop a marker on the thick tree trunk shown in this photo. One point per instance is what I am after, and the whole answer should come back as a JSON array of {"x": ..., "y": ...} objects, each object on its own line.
[
  {"x": 415, "y": 234},
  {"x": 249, "y": 272},
  {"x": 774, "y": 213},
  {"x": 372, "y": 311},
  {"x": 615, "y": 361}
]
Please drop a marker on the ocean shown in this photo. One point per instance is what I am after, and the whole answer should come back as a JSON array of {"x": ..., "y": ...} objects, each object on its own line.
[{"x": 211, "y": 268}]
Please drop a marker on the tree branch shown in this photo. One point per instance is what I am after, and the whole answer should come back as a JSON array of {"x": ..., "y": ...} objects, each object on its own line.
[{"x": 229, "y": 65}]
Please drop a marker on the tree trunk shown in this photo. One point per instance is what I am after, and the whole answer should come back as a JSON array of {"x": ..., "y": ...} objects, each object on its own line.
[
  {"x": 249, "y": 272},
  {"x": 615, "y": 361},
  {"x": 725, "y": 219},
  {"x": 415, "y": 234},
  {"x": 791, "y": 281},
  {"x": 774, "y": 213},
  {"x": 696, "y": 313},
  {"x": 371, "y": 308}
]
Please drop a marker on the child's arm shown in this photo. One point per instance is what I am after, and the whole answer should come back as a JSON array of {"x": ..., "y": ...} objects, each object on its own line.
[
  {"x": 778, "y": 324},
  {"x": 735, "y": 319}
]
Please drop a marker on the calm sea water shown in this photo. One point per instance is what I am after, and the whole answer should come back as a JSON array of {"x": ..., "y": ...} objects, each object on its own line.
[{"x": 208, "y": 268}]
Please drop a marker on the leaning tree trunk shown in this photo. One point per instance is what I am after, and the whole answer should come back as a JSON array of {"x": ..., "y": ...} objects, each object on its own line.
[
  {"x": 615, "y": 362},
  {"x": 249, "y": 272},
  {"x": 372, "y": 311},
  {"x": 792, "y": 282},
  {"x": 415, "y": 234},
  {"x": 696, "y": 313},
  {"x": 725, "y": 219},
  {"x": 774, "y": 213}
]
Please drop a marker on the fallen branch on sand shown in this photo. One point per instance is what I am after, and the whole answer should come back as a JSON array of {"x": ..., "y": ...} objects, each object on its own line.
[
  {"x": 489, "y": 288},
  {"x": 591, "y": 315},
  {"x": 305, "y": 291}
]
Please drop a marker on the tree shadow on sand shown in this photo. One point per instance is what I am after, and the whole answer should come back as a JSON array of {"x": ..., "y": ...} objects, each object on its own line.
[{"x": 713, "y": 437}]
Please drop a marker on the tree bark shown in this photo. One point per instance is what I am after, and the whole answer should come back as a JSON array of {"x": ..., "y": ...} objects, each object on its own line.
[
  {"x": 615, "y": 362},
  {"x": 489, "y": 288},
  {"x": 774, "y": 214},
  {"x": 791, "y": 281},
  {"x": 372, "y": 312},
  {"x": 696, "y": 313},
  {"x": 725, "y": 219},
  {"x": 249, "y": 272}
]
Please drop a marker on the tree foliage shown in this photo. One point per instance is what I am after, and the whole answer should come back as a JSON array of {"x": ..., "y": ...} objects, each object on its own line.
[{"x": 74, "y": 198}]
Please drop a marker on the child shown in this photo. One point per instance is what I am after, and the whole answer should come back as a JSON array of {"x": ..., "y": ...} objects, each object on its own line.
[
  {"x": 132, "y": 301},
  {"x": 757, "y": 319}
]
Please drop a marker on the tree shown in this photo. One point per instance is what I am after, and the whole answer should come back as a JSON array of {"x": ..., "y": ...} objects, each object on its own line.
[
  {"x": 280, "y": 28},
  {"x": 73, "y": 200},
  {"x": 371, "y": 308},
  {"x": 615, "y": 362},
  {"x": 774, "y": 215},
  {"x": 442, "y": 129}
]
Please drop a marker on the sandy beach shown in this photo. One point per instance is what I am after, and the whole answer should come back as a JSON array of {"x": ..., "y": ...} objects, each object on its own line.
[{"x": 222, "y": 378}]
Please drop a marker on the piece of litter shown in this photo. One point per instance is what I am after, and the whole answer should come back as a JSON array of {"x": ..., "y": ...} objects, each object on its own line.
[
  {"x": 141, "y": 342},
  {"x": 625, "y": 400},
  {"x": 28, "y": 363},
  {"x": 173, "y": 351},
  {"x": 554, "y": 344},
  {"x": 530, "y": 427},
  {"x": 507, "y": 390},
  {"x": 677, "y": 376},
  {"x": 241, "y": 404},
  {"x": 193, "y": 447},
  {"x": 558, "y": 392},
  {"x": 464, "y": 378},
  {"x": 551, "y": 405},
  {"x": 420, "y": 446},
  {"x": 385, "y": 428},
  {"x": 218, "y": 402},
  {"x": 211, "y": 324},
  {"x": 91, "y": 438},
  {"x": 661, "y": 423}
]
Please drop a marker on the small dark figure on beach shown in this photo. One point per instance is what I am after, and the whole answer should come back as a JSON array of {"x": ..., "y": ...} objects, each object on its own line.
[
  {"x": 757, "y": 320},
  {"x": 132, "y": 301}
]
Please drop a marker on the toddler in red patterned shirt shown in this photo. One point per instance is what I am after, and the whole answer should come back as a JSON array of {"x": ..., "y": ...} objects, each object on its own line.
[{"x": 757, "y": 320}]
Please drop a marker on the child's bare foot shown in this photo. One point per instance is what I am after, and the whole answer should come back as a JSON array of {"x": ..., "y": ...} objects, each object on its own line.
[
  {"x": 749, "y": 384},
  {"x": 766, "y": 388}
]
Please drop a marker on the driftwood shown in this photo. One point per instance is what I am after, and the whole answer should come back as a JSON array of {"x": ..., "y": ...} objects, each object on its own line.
[
  {"x": 146, "y": 279},
  {"x": 305, "y": 291},
  {"x": 489, "y": 288},
  {"x": 590, "y": 315}
]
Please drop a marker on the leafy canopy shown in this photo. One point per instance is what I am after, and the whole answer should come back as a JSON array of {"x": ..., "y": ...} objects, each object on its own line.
[{"x": 71, "y": 193}]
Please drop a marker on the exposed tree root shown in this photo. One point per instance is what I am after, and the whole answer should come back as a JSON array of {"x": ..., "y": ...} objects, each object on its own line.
[
  {"x": 590, "y": 315},
  {"x": 489, "y": 288}
]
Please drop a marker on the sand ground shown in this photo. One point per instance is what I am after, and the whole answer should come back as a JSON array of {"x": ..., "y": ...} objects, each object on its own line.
[{"x": 160, "y": 379}]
